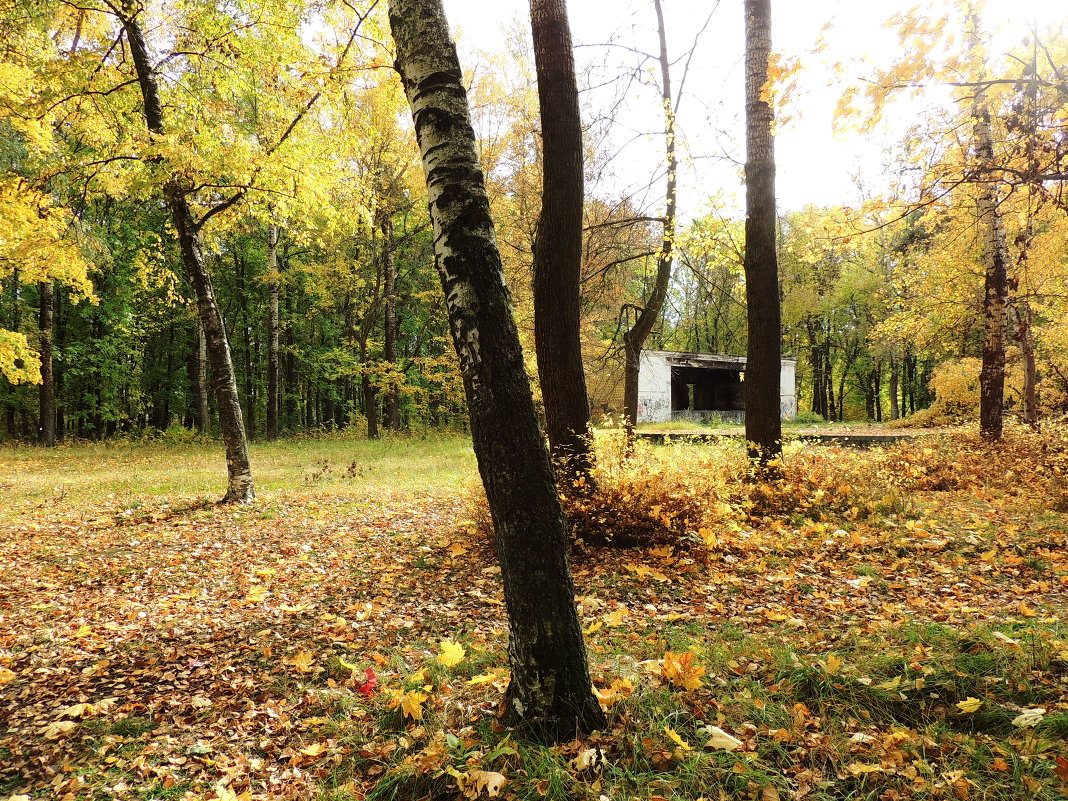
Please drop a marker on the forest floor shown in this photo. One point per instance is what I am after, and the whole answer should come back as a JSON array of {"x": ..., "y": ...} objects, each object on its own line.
[{"x": 879, "y": 624}]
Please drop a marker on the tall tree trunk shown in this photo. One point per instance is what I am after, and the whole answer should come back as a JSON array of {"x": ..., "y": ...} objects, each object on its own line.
[
  {"x": 224, "y": 382},
  {"x": 391, "y": 406},
  {"x": 828, "y": 377},
  {"x": 634, "y": 338},
  {"x": 16, "y": 324},
  {"x": 549, "y": 694},
  {"x": 995, "y": 257},
  {"x": 763, "y": 420},
  {"x": 60, "y": 340},
  {"x": 370, "y": 406},
  {"x": 895, "y": 414},
  {"x": 877, "y": 377},
  {"x": 274, "y": 291},
  {"x": 1026, "y": 339},
  {"x": 558, "y": 245},
  {"x": 46, "y": 427}
]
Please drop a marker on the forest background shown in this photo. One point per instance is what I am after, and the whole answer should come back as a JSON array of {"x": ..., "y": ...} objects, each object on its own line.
[{"x": 292, "y": 143}]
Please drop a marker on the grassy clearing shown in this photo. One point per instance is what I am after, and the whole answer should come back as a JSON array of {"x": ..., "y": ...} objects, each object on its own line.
[
  {"x": 133, "y": 473},
  {"x": 883, "y": 624}
]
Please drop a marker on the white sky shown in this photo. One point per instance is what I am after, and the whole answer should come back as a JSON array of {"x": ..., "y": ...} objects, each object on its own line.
[{"x": 814, "y": 166}]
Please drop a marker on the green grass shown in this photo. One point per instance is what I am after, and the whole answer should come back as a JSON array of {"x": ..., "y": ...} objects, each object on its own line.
[{"x": 130, "y": 474}]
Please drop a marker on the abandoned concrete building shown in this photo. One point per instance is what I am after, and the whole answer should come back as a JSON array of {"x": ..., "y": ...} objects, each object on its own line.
[{"x": 701, "y": 386}]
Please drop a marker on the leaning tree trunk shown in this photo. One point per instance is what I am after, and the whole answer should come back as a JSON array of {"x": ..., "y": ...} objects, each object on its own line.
[
  {"x": 223, "y": 380},
  {"x": 763, "y": 420},
  {"x": 549, "y": 695},
  {"x": 634, "y": 338},
  {"x": 47, "y": 420},
  {"x": 274, "y": 291},
  {"x": 558, "y": 245}
]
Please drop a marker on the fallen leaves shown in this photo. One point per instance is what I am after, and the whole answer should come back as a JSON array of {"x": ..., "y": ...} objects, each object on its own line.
[
  {"x": 450, "y": 654},
  {"x": 682, "y": 670},
  {"x": 237, "y": 649},
  {"x": 302, "y": 660}
]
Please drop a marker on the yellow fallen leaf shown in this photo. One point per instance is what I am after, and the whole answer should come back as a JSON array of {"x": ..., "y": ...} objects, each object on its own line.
[
  {"x": 681, "y": 671},
  {"x": 450, "y": 653},
  {"x": 969, "y": 705},
  {"x": 594, "y": 626},
  {"x": 858, "y": 768},
  {"x": 486, "y": 678},
  {"x": 1026, "y": 610},
  {"x": 620, "y": 688},
  {"x": 84, "y": 631},
  {"x": 302, "y": 660},
  {"x": 53, "y": 731},
  {"x": 410, "y": 703},
  {"x": 318, "y": 749},
  {"x": 6, "y": 675},
  {"x": 475, "y": 782},
  {"x": 347, "y": 665},
  {"x": 677, "y": 739},
  {"x": 833, "y": 665},
  {"x": 616, "y": 618}
]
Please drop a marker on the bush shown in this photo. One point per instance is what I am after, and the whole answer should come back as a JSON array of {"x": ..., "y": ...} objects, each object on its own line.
[{"x": 658, "y": 495}]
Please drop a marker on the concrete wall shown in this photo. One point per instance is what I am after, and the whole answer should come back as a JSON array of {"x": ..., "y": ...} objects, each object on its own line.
[
  {"x": 788, "y": 389},
  {"x": 654, "y": 388}
]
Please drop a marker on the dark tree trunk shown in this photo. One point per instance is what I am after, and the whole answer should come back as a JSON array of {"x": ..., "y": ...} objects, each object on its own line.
[
  {"x": 370, "y": 406},
  {"x": 558, "y": 244},
  {"x": 828, "y": 377},
  {"x": 634, "y": 338},
  {"x": 16, "y": 324},
  {"x": 995, "y": 257},
  {"x": 274, "y": 291},
  {"x": 877, "y": 378},
  {"x": 391, "y": 406},
  {"x": 224, "y": 382},
  {"x": 895, "y": 414},
  {"x": 60, "y": 339},
  {"x": 549, "y": 695},
  {"x": 763, "y": 421},
  {"x": 46, "y": 427}
]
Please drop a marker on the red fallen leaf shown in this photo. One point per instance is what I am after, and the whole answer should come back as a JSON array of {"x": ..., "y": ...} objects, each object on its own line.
[
  {"x": 1062, "y": 769},
  {"x": 368, "y": 687}
]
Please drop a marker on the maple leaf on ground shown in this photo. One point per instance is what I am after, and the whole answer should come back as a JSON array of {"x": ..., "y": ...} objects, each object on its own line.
[
  {"x": 410, "y": 703},
  {"x": 302, "y": 660},
  {"x": 620, "y": 688},
  {"x": 475, "y": 782},
  {"x": 680, "y": 670},
  {"x": 368, "y": 687},
  {"x": 450, "y": 653}
]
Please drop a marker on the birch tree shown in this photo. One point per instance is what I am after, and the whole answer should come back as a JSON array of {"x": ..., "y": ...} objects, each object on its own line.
[{"x": 550, "y": 692}]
